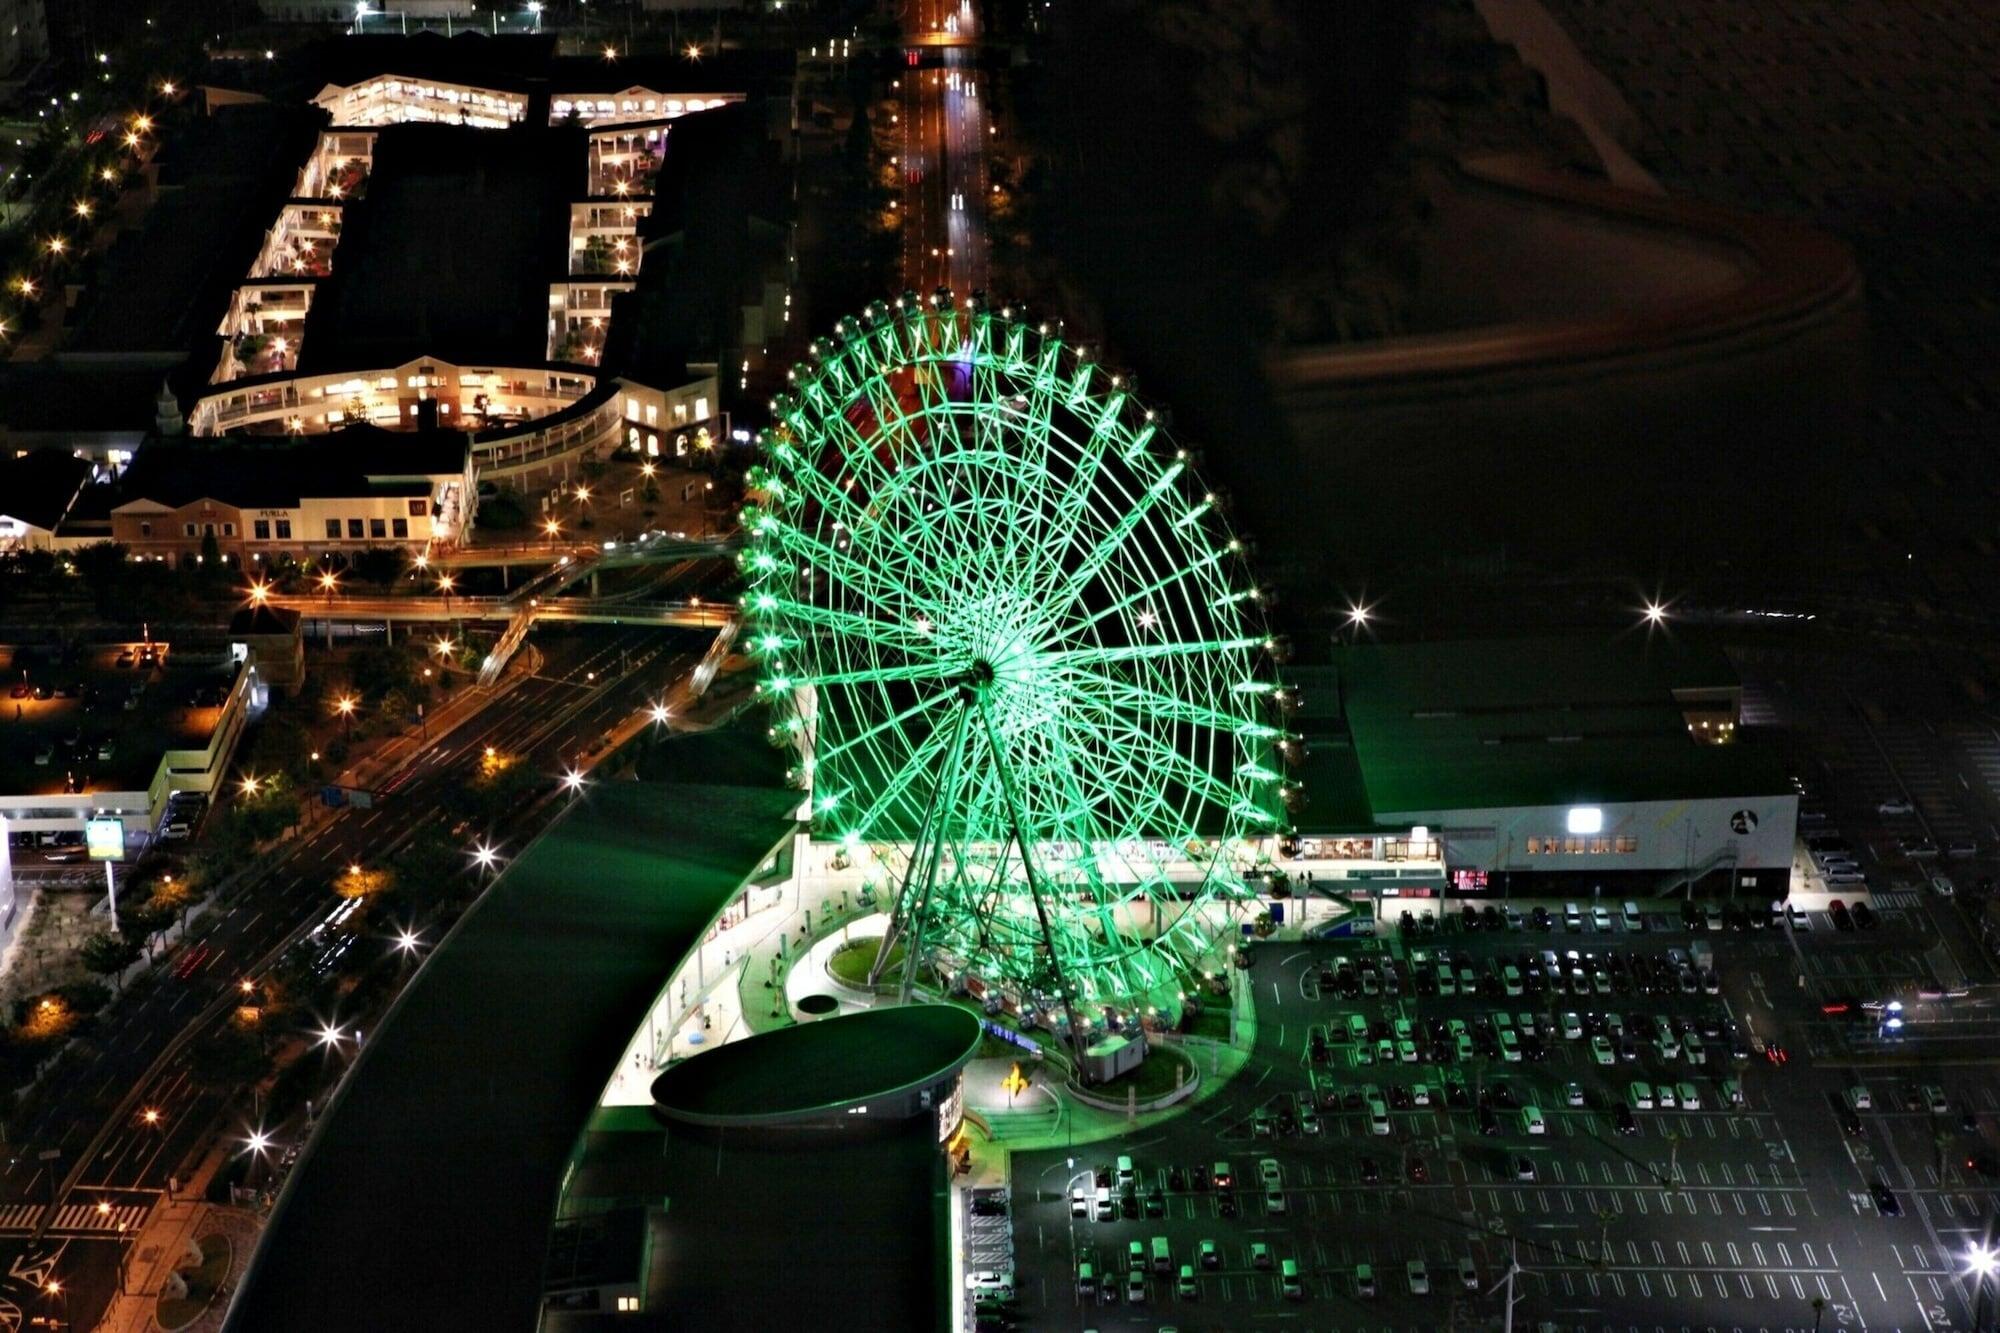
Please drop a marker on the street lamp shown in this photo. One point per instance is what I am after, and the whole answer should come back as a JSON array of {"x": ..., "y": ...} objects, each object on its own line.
[
  {"x": 659, "y": 713},
  {"x": 406, "y": 940},
  {"x": 345, "y": 707},
  {"x": 485, "y": 856},
  {"x": 445, "y": 585},
  {"x": 1358, "y": 617},
  {"x": 1656, "y": 614},
  {"x": 259, "y": 593},
  {"x": 553, "y": 528},
  {"x": 327, "y": 583},
  {"x": 251, "y": 784},
  {"x": 573, "y": 780},
  {"x": 1980, "y": 1261}
]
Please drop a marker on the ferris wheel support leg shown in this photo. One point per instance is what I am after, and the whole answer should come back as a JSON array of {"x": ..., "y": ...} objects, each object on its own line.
[
  {"x": 1034, "y": 883},
  {"x": 924, "y": 858}
]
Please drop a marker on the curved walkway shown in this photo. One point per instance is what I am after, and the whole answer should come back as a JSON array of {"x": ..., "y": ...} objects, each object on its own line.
[{"x": 424, "y": 1200}]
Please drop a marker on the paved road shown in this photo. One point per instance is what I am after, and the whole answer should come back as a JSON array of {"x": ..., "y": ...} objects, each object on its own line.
[
  {"x": 945, "y": 130},
  {"x": 1724, "y": 1217},
  {"x": 568, "y": 706}
]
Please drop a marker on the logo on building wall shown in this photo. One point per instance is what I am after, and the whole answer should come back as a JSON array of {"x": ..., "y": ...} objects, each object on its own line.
[{"x": 1743, "y": 821}]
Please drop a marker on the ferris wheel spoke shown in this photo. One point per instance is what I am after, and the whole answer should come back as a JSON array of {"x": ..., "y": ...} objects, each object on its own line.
[
  {"x": 922, "y": 759},
  {"x": 1071, "y": 588},
  {"x": 1146, "y": 760},
  {"x": 865, "y": 579},
  {"x": 906, "y": 640},
  {"x": 1144, "y": 652},
  {"x": 883, "y": 675},
  {"x": 1123, "y": 694},
  {"x": 891, "y": 723},
  {"x": 1204, "y": 564}
]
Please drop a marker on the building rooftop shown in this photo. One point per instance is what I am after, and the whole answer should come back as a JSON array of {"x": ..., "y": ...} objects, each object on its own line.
[
  {"x": 792, "y": 1072},
  {"x": 527, "y": 63},
  {"x": 710, "y": 245},
  {"x": 451, "y": 251},
  {"x": 1489, "y": 724},
  {"x": 361, "y": 460},
  {"x": 39, "y": 487},
  {"x": 178, "y": 704},
  {"x": 162, "y": 290},
  {"x": 471, "y": 58},
  {"x": 486, "y": 1071}
]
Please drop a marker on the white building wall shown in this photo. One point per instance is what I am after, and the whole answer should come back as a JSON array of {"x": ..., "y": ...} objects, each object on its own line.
[{"x": 1663, "y": 835}]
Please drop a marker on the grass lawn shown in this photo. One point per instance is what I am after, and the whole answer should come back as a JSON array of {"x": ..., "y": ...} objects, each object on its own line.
[
  {"x": 1157, "y": 1075},
  {"x": 851, "y": 961},
  {"x": 174, "y": 1312}
]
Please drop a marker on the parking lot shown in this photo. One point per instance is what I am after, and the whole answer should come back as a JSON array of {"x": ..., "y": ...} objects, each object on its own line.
[{"x": 1722, "y": 1215}]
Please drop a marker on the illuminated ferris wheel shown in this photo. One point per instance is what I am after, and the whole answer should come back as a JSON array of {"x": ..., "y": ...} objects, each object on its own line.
[{"x": 1016, "y": 645}]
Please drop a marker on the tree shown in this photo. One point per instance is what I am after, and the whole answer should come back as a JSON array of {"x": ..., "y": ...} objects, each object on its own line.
[
  {"x": 500, "y": 788},
  {"x": 175, "y": 894},
  {"x": 139, "y": 923},
  {"x": 381, "y": 669},
  {"x": 227, "y": 1059},
  {"x": 359, "y": 881},
  {"x": 282, "y": 745},
  {"x": 396, "y": 707},
  {"x": 429, "y": 868},
  {"x": 105, "y": 571},
  {"x": 381, "y": 565},
  {"x": 109, "y": 955}
]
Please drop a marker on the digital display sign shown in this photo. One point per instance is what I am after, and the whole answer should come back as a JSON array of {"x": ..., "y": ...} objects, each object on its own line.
[{"x": 105, "y": 839}]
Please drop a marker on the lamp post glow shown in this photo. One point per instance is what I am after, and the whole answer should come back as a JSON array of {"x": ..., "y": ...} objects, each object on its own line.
[
  {"x": 573, "y": 781},
  {"x": 1980, "y": 1261},
  {"x": 345, "y": 707},
  {"x": 1656, "y": 615}
]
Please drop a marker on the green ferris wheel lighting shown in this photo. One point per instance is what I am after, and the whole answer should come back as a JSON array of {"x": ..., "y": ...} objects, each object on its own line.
[{"x": 1017, "y": 650}]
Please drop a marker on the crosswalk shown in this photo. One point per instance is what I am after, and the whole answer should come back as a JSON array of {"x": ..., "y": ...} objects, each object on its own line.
[{"x": 25, "y": 1218}]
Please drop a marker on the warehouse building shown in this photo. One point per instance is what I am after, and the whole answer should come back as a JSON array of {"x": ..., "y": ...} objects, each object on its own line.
[{"x": 1554, "y": 768}]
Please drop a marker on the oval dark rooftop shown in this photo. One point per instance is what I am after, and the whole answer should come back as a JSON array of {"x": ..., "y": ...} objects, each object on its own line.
[{"x": 820, "y": 1066}]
